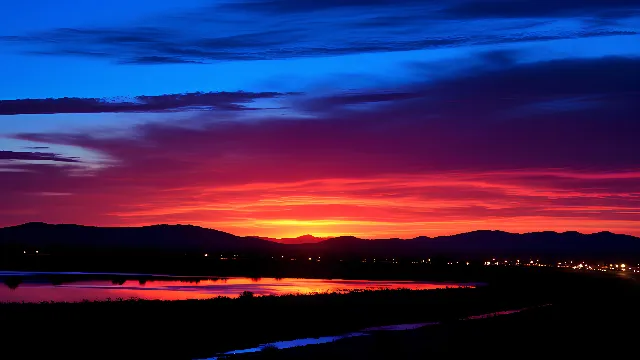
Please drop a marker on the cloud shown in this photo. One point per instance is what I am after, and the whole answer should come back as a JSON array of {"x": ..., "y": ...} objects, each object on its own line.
[
  {"x": 309, "y": 6},
  {"x": 236, "y": 31},
  {"x": 150, "y": 60},
  {"x": 464, "y": 122},
  {"x": 542, "y": 9},
  {"x": 466, "y": 8},
  {"x": 495, "y": 84},
  {"x": 427, "y": 157},
  {"x": 22, "y": 155},
  {"x": 158, "y": 103}
]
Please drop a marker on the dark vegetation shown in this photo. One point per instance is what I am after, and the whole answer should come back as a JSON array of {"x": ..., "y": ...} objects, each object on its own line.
[
  {"x": 555, "y": 332},
  {"x": 600, "y": 322},
  {"x": 201, "y": 328}
]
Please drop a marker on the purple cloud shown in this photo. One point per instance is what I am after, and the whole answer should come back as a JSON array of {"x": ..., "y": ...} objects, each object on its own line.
[
  {"x": 23, "y": 155},
  {"x": 543, "y": 9},
  {"x": 463, "y": 122}
]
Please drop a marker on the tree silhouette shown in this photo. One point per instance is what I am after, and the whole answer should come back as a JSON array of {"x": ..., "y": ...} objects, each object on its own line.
[
  {"x": 246, "y": 295},
  {"x": 13, "y": 282}
]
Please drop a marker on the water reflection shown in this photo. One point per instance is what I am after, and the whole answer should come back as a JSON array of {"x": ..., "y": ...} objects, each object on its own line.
[
  {"x": 364, "y": 332},
  {"x": 400, "y": 327},
  {"x": 12, "y": 282},
  {"x": 294, "y": 343},
  {"x": 75, "y": 287}
]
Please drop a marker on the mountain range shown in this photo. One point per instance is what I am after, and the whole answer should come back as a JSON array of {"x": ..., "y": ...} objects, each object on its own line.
[
  {"x": 304, "y": 239},
  {"x": 67, "y": 238}
]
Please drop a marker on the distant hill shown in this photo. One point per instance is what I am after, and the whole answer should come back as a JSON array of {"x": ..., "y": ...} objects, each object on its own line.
[
  {"x": 188, "y": 238},
  {"x": 304, "y": 239},
  {"x": 487, "y": 243},
  {"x": 155, "y": 238}
]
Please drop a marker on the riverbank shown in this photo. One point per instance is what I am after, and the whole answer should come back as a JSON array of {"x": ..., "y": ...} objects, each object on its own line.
[
  {"x": 552, "y": 332},
  {"x": 202, "y": 328},
  {"x": 599, "y": 320}
]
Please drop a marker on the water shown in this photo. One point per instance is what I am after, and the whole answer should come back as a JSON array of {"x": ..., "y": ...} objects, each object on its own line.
[
  {"x": 326, "y": 339},
  {"x": 75, "y": 287},
  {"x": 400, "y": 327},
  {"x": 294, "y": 343}
]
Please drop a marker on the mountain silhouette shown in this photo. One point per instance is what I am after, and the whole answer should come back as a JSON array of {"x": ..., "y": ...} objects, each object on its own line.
[
  {"x": 189, "y": 238},
  {"x": 156, "y": 238},
  {"x": 304, "y": 239}
]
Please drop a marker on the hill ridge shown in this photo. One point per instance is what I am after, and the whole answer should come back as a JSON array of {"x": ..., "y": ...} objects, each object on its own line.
[{"x": 197, "y": 239}]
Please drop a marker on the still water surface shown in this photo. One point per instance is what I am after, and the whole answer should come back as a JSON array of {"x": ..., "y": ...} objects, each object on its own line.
[{"x": 74, "y": 287}]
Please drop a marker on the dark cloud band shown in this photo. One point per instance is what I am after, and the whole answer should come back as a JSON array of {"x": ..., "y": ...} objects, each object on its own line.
[
  {"x": 161, "y": 103},
  {"x": 338, "y": 28}
]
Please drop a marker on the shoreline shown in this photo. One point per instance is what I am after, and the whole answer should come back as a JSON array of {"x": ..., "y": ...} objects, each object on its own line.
[
  {"x": 223, "y": 324},
  {"x": 199, "y": 329},
  {"x": 296, "y": 343}
]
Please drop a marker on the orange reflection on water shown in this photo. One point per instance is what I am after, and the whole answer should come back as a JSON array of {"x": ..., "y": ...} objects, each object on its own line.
[{"x": 202, "y": 289}]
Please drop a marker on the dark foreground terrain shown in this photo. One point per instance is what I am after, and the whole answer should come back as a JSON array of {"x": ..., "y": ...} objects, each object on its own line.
[
  {"x": 590, "y": 311},
  {"x": 601, "y": 322},
  {"x": 553, "y": 332}
]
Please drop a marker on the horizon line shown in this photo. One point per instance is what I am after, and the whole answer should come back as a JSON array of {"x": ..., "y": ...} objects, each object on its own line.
[{"x": 268, "y": 238}]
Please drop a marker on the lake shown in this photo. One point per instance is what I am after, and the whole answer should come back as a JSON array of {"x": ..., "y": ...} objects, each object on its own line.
[{"x": 75, "y": 287}]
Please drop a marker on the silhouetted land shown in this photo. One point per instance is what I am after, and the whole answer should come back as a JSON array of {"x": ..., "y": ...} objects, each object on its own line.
[
  {"x": 180, "y": 250},
  {"x": 200, "y": 328},
  {"x": 604, "y": 330},
  {"x": 588, "y": 306},
  {"x": 153, "y": 243}
]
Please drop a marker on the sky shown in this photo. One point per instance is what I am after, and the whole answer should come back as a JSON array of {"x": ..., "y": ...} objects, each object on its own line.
[{"x": 280, "y": 118}]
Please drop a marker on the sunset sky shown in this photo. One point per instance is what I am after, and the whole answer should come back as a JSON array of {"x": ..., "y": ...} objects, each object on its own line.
[{"x": 281, "y": 118}]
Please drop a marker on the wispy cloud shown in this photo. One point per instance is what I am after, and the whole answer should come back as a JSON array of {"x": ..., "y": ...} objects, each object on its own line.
[
  {"x": 541, "y": 9},
  {"x": 160, "y": 103},
  {"x": 236, "y": 30},
  {"x": 23, "y": 155}
]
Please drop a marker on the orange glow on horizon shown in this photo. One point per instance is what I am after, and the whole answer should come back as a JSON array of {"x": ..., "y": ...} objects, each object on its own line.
[{"x": 394, "y": 205}]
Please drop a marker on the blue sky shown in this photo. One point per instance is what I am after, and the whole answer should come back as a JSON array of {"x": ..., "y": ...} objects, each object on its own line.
[{"x": 32, "y": 76}]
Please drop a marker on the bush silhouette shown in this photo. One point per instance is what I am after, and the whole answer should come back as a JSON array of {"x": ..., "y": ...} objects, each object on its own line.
[{"x": 247, "y": 295}]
